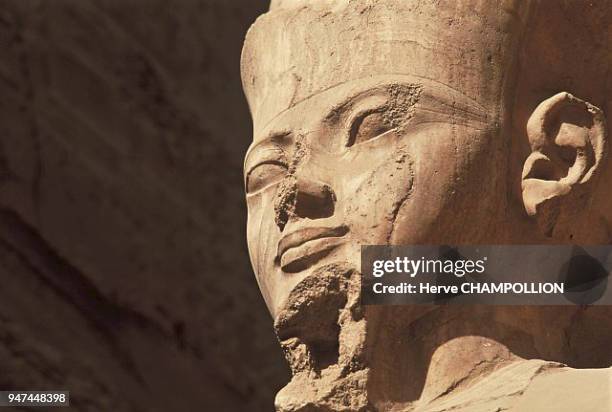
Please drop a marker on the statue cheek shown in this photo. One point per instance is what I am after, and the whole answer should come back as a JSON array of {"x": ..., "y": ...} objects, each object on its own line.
[
  {"x": 261, "y": 230},
  {"x": 379, "y": 196}
]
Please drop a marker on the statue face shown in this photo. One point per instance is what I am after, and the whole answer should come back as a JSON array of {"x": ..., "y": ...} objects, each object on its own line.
[
  {"x": 387, "y": 159},
  {"x": 407, "y": 122}
]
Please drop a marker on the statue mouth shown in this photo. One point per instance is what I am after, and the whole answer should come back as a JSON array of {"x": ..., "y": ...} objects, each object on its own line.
[{"x": 300, "y": 249}]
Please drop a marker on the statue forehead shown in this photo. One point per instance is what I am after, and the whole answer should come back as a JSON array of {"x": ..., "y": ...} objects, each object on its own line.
[{"x": 294, "y": 52}]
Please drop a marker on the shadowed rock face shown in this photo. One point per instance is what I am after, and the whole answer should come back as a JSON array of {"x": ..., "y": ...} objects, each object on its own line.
[
  {"x": 426, "y": 122},
  {"x": 124, "y": 275}
]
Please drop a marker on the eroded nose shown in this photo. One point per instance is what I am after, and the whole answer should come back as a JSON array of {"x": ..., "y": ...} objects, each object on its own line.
[{"x": 304, "y": 198}]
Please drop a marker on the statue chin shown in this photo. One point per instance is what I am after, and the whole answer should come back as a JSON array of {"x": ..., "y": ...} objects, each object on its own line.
[{"x": 322, "y": 332}]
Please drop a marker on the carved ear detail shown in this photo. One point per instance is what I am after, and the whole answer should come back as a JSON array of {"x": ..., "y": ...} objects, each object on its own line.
[{"x": 568, "y": 143}]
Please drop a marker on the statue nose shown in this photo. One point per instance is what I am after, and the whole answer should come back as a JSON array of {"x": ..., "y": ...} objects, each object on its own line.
[{"x": 304, "y": 198}]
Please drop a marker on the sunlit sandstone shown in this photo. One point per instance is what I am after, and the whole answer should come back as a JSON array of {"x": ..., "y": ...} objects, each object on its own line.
[{"x": 427, "y": 122}]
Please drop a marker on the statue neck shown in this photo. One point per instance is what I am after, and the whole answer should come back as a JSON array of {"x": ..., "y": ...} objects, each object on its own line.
[
  {"x": 422, "y": 353},
  {"x": 460, "y": 362}
]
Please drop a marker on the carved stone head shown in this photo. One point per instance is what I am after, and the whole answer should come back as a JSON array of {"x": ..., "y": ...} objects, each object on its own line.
[{"x": 410, "y": 122}]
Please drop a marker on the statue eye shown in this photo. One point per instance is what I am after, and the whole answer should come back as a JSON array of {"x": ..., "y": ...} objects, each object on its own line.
[
  {"x": 367, "y": 127},
  {"x": 264, "y": 175}
]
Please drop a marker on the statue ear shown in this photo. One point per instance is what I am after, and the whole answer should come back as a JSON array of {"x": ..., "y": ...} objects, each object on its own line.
[{"x": 568, "y": 145}]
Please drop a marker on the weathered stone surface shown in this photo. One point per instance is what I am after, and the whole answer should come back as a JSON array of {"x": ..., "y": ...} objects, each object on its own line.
[
  {"x": 531, "y": 385},
  {"x": 428, "y": 122},
  {"x": 124, "y": 277}
]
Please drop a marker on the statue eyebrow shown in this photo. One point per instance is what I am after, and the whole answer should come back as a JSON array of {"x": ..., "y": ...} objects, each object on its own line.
[
  {"x": 428, "y": 85},
  {"x": 441, "y": 100},
  {"x": 270, "y": 142},
  {"x": 338, "y": 109}
]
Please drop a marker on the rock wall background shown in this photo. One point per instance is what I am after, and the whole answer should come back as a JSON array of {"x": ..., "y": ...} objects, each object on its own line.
[{"x": 124, "y": 275}]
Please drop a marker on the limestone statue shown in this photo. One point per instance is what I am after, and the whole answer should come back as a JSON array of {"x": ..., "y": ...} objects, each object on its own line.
[{"x": 428, "y": 122}]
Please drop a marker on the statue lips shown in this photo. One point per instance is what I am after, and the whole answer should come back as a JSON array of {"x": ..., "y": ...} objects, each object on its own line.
[{"x": 302, "y": 248}]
